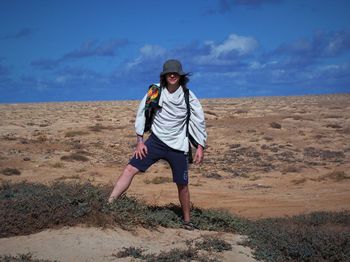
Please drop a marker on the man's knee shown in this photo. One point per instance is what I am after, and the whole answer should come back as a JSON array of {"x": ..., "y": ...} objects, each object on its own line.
[
  {"x": 182, "y": 187},
  {"x": 130, "y": 170}
]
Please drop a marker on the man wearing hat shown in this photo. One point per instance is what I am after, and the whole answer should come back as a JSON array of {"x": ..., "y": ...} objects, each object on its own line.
[{"x": 170, "y": 132}]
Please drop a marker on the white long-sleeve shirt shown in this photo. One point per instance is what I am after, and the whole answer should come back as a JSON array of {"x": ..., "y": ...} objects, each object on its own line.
[{"x": 169, "y": 123}]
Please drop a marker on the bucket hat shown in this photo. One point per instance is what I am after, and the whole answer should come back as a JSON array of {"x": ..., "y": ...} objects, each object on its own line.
[{"x": 172, "y": 66}]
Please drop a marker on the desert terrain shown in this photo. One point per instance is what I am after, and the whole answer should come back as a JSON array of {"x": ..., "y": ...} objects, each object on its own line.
[{"x": 265, "y": 157}]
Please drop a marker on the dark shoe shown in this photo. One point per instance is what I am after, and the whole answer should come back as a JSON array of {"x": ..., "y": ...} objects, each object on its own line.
[{"x": 189, "y": 225}]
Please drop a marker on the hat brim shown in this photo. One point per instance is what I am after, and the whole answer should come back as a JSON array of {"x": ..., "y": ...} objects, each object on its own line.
[{"x": 181, "y": 73}]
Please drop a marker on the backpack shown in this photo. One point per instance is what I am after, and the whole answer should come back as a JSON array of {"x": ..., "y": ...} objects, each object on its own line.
[{"x": 151, "y": 106}]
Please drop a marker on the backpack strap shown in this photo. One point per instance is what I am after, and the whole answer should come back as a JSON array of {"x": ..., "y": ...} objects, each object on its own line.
[{"x": 187, "y": 100}]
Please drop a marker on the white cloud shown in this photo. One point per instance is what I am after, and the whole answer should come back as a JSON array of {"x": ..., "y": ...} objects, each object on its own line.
[
  {"x": 146, "y": 52},
  {"x": 152, "y": 50},
  {"x": 240, "y": 44},
  {"x": 221, "y": 54}
]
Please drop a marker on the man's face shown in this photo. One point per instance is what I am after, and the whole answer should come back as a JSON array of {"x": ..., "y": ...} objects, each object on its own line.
[{"x": 172, "y": 78}]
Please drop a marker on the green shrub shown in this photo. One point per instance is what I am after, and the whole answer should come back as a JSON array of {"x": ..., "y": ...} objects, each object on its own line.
[
  {"x": 215, "y": 244},
  {"x": 319, "y": 236},
  {"x": 130, "y": 252}
]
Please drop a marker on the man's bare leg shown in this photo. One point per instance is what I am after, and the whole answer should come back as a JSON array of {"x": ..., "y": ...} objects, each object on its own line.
[
  {"x": 123, "y": 182},
  {"x": 184, "y": 197}
]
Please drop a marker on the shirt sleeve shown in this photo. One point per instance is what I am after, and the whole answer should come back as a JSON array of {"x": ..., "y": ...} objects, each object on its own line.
[
  {"x": 140, "y": 117},
  {"x": 197, "y": 127}
]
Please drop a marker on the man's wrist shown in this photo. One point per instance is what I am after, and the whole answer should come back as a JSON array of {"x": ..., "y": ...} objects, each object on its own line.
[{"x": 139, "y": 139}]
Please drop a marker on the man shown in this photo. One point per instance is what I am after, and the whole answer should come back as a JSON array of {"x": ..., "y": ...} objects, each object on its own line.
[{"x": 169, "y": 139}]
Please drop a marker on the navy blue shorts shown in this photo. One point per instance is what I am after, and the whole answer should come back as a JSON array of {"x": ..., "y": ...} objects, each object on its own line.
[{"x": 159, "y": 150}]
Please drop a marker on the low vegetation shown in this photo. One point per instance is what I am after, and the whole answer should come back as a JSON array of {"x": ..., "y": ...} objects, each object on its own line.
[
  {"x": 159, "y": 180},
  {"x": 75, "y": 157},
  {"x": 27, "y": 208},
  {"x": 193, "y": 251},
  {"x": 75, "y": 133},
  {"x": 99, "y": 128},
  {"x": 319, "y": 236},
  {"x": 275, "y": 125},
  {"x": 28, "y": 257},
  {"x": 10, "y": 171}
]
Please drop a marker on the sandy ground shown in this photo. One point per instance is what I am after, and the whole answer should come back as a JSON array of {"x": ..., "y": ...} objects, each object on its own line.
[
  {"x": 91, "y": 244},
  {"x": 268, "y": 156}
]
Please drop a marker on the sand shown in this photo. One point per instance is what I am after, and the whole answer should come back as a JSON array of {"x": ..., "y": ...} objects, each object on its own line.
[{"x": 266, "y": 157}]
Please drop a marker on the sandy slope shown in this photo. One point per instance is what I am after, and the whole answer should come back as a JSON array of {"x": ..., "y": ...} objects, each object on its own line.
[
  {"x": 91, "y": 244},
  {"x": 269, "y": 156}
]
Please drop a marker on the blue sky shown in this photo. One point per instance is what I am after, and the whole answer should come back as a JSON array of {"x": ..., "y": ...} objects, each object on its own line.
[{"x": 112, "y": 50}]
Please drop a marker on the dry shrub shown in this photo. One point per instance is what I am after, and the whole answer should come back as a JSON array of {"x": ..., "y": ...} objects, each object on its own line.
[
  {"x": 211, "y": 113},
  {"x": 193, "y": 251},
  {"x": 10, "y": 171},
  {"x": 58, "y": 165},
  {"x": 337, "y": 176},
  {"x": 134, "y": 252},
  {"x": 297, "y": 117},
  {"x": 10, "y": 137},
  {"x": 99, "y": 128},
  {"x": 28, "y": 257},
  {"x": 346, "y": 130},
  {"x": 299, "y": 181},
  {"x": 241, "y": 111},
  {"x": 212, "y": 175},
  {"x": 75, "y": 133},
  {"x": 268, "y": 138},
  {"x": 83, "y": 152},
  {"x": 320, "y": 136},
  {"x": 333, "y": 116},
  {"x": 41, "y": 138},
  {"x": 75, "y": 157},
  {"x": 334, "y": 126},
  {"x": 291, "y": 169},
  {"x": 275, "y": 125},
  {"x": 159, "y": 180},
  {"x": 334, "y": 156},
  {"x": 67, "y": 177}
]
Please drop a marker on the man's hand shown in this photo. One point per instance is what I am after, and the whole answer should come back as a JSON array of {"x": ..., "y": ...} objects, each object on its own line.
[
  {"x": 141, "y": 150},
  {"x": 198, "y": 158}
]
